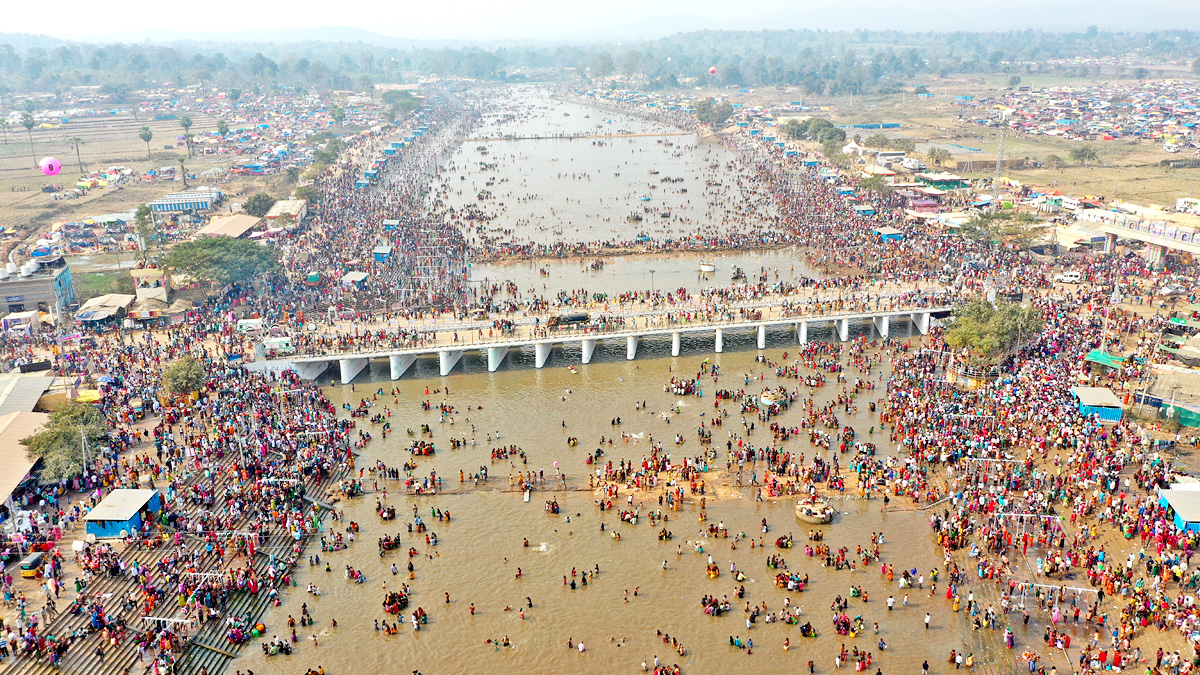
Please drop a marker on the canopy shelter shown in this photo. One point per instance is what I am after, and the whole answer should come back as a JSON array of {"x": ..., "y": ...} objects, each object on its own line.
[
  {"x": 1099, "y": 401},
  {"x": 1182, "y": 501},
  {"x": 15, "y": 463},
  {"x": 122, "y": 511},
  {"x": 1104, "y": 358}
]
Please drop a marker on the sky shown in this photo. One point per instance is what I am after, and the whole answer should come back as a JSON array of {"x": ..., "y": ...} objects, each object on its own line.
[{"x": 576, "y": 20}]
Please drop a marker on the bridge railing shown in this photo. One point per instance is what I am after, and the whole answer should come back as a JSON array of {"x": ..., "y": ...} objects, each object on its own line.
[{"x": 641, "y": 325}]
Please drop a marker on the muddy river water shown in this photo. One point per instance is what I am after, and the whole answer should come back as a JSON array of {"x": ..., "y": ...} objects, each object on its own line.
[{"x": 480, "y": 550}]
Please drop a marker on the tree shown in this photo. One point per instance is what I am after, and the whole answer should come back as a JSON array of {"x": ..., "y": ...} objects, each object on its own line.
[
  {"x": 833, "y": 152},
  {"x": 1054, "y": 160},
  {"x": 1014, "y": 81},
  {"x": 602, "y": 65},
  {"x": 28, "y": 122},
  {"x": 308, "y": 193},
  {"x": 258, "y": 205},
  {"x": 989, "y": 332},
  {"x": 235, "y": 94},
  {"x": 146, "y": 229},
  {"x": 4, "y": 129},
  {"x": 60, "y": 443},
  {"x": 1008, "y": 227},
  {"x": 183, "y": 376},
  {"x": 338, "y": 114},
  {"x": 223, "y": 128},
  {"x": 182, "y": 169},
  {"x": 875, "y": 184},
  {"x": 876, "y": 141},
  {"x": 186, "y": 123},
  {"x": 709, "y": 111},
  {"x": 938, "y": 155},
  {"x": 146, "y": 135},
  {"x": 1084, "y": 154},
  {"x": 794, "y": 129},
  {"x": 830, "y": 134},
  {"x": 222, "y": 260},
  {"x": 76, "y": 142}
]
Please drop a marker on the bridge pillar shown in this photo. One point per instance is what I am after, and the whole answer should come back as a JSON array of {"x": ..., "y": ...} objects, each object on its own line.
[
  {"x": 631, "y": 345},
  {"x": 401, "y": 363},
  {"x": 843, "y": 329},
  {"x": 882, "y": 324},
  {"x": 1155, "y": 254},
  {"x": 447, "y": 359},
  {"x": 762, "y": 336},
  {"x": 495, "y": 357},
  {"x": 1110, "y": 243},
  {"x": 676, "y": 342},
  {"x": 719, "y": 343},
  {"x": 921, "y": 321},
  {"x": 541, "y": 352},
  {"x": 351, "y": 368},
  {"x": 588, "y": 348},
  {"x": 802, "y": 332},
  {"x": 311, "y": 370}
]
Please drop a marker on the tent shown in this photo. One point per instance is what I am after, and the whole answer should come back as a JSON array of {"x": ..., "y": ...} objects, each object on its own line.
[
  {"x": 1104, "y": 358},
  {"x": 354, "y": 278}
]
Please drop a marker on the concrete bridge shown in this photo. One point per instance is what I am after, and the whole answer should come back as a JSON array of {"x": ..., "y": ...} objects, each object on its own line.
[{"x": 352, "y": 363}]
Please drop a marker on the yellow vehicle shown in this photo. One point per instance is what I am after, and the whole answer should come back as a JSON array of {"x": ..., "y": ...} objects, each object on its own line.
[{"x": 31, "y": 566}]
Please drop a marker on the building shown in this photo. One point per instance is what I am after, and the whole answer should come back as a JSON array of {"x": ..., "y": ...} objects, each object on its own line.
[
  {"x": 186, "y": 202},
  {"x": 152, "y": 282},
  {"x": 234, "y": 227},
  {"x": 122, "y": 512},
  {"x": 296, "y": 209},
  {"x": 1160, "y": 230},
  {"x": 15, "y": 464},
  {"x": 43, "y": 285}
]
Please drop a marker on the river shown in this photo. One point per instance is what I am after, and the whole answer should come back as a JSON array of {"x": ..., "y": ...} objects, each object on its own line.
[{"x": 480, "y": 550}]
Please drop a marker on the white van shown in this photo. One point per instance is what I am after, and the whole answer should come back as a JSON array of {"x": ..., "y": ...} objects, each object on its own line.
[
  {"x": 1071, "y": 277},
  {"x": 250, "y": 326},
  {"x": 279, "y": 345}
]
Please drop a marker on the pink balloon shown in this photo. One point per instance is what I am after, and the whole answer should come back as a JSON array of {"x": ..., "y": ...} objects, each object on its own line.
[{"x": 50, "y": 166}]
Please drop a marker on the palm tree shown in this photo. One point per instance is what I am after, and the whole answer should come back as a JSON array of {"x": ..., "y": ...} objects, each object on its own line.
[
  {"x": 146, "y": 135},
  {"x": 28, "y": 122},
  {"x": 186, "y": 123},
  {"x": 77, "y": 141},
  {"x": 182, "y": 170}
]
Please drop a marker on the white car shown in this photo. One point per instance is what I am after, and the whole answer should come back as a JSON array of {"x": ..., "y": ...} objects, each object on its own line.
[{"x": 1071, "y": 277}]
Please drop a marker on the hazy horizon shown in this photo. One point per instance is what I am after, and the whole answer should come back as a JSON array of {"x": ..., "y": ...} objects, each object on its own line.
[{"x": 543, "y": 21}]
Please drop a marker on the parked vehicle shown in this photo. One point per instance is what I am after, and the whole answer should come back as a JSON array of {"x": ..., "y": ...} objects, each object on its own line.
[{"x": 1071, "y": 277}]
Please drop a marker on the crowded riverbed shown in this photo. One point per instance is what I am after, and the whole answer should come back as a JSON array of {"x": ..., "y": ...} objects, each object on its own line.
[
  {"x": 833, "y": 504},
  {"x": 499, "y": 552}
]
